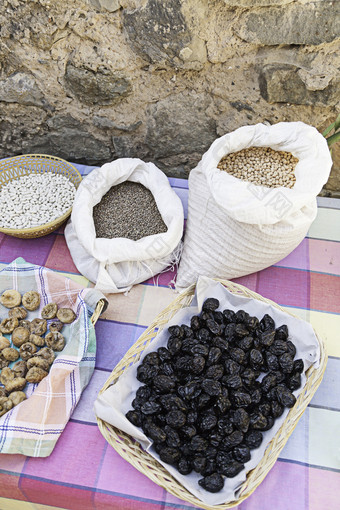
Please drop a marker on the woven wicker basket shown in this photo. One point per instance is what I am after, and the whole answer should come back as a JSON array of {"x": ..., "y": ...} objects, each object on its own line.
[
  {"x": 131, "y": 451},
  {"x": 13, "y": 168}
]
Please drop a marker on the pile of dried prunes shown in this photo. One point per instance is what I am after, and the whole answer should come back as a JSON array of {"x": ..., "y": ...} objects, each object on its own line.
[{"x": 201, "y": 402}]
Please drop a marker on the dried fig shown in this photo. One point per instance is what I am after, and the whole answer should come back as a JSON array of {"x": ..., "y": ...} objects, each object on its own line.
[
  {"x": 3, "y": 392},
  {"x": 4, "y": 342},
  {"x": 31, "y": 300},
  {"x": 19, "y": 336},
  {"x": 10, "y": 354},
  {"x": 38, "y": 361},
  {"x": 18, "y": 313},
  {"x": 17, "y": 397},
  {"x": 47, "y": 354},
  {"x": 55, "y": 326},
  {"x": 6, "y": 375},
  {"x": 16, "y": 384},
  {"x": 25, "y": 324},
  {"x": 35, "y": 375},
  {"x": 37, "y": 340},
  {"x": 38, "y": 326},
  {"x": 8, "y": 325},
  {"x": 55, "y": 341},
  {"x": 3, "y": 362},
  {"x": 19, "y": 369},
  {"x": 27, "y": 350},
  {"x": 10, "y": 298},
  {"x": 66, "y": 315},
  {"x": 49, "y": 311},
  {"x": 5, "y": 405}
]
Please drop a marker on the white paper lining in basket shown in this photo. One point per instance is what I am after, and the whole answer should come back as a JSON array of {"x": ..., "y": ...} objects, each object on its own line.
[{"x": 114, "y": 403}]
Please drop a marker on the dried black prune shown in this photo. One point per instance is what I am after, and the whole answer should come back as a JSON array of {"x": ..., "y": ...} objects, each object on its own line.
[
  {"x": 197, "y": 364},
  {"x": 218, "y": 316},
  {"x": 276, "y": 409},
  {"x": 163, "y": 354},
  {"x": 267, "y": 337},
  {"x": 134, "y": 417},
  {"x": 245, "y": 343},
  {"x": 164, "y": 383},
  {"x": 286, "y": 363},
  {"x": 150, "y": 407},
  {"x": 207, "y": 422},
  {"x": 234, "y": 439},
  {"x": 198, "y": 444},
  {"x": 233, "y": 382},
  {"x": 258, "y": 421},
  {"x": 255, "y": 358},
  {"x": 248, "y": 377},
  {"x": 281, "y": 333},
  {"x": 272, "y": 361},
  {"x": 241, "y": 331},
  {"x": 210, "y": 453},
  {"x": 188, "y": 431},
  {"x": 169, "y": 455},
  {"x": 172, "y": 438},
  {"x": 238, "y": 355},
  {"x": 210, "y": 467},
  {"x": 231, "y": 469},
  {"x": 190, "y": 390},
  {"x": 229, "y": 316},
  {"x": 176, "y": 331},
  {"x": 201, "y": 349},
  {"x": 285, "y": 396},
  {"x": 203, "y": 400},
  {"x": 229, "y": 331},
  {"x": 214, "y": 355},
  {"x": 223, "y": 458},
  {"x": 255, "y": 395},
  {"x": 195, "y": 323},
  {"x": 241, "y": 316},
  {"x": 198, "y": 463},
  {"x": 214, "y": 327},
  {"x": 187, "y": 331},
  {"x": 174, "y": 345},
  {"x": 222, "y": 404},
  {"x": 215, "y": 372},
  {"x": 171, "y": 401},
  {"x": 268, "y": 382},
  {"x": 184, "y": 466},
  {"x": 231, "y": 367},
  {"x": 188, "y": 344},
  {"x": 152, "y": 358},
  {"x": 294, "y": 381},
  {"x": 298, "y": 366},
  {"x": 265, "y": 408},
  {"x": 175, "y": 419},
  {"x": 253, "y": 439},
  {"x": 146, "y": 373},
  {"x": 210, "y": 305},
  {"x": 240, "y": 398},
  {"x": 252, "y": 323},
  {"x": 267, "y": 322},
  {"x": 241, "y": 420},
  {"x": 212, "y": 483},
  {"x": 211, "y": 387},
  {"x": 270, "y": 422},
  {"x": 154, "y": 432},
  {"x": 143, "y": 393},
  {"x": 278, "y": 347},
  {"x": 221, "y": 343},
  {"x": 291, "y": 348},
  {"x": 241, "y": 453},
  {"x": 203, "y": 335},
  {"x": 183, "y": 363},
  {"x": 192, "y": 417}
]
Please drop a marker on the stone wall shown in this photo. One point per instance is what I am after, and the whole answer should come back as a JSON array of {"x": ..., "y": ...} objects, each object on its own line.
[{"x": 94, "y": 80}]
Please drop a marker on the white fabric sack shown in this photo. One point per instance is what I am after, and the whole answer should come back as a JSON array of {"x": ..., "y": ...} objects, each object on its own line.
[
  {"x": 235, "y": 228},
  {"x": 117, "y": 264}
]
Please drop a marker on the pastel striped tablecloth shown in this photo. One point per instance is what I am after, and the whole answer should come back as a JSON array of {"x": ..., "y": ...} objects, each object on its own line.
[{"x": 84, "y": 472}]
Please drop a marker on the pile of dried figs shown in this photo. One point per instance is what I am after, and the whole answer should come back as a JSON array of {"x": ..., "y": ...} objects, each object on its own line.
[
  {"x": 209, "y": 395},
  {"x": 29, "y": 341}
]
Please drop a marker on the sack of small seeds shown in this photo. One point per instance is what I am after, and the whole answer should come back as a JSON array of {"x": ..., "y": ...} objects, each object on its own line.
[
  {"x": 126, "y": 225},
  {"x": 252, "y": 199}
]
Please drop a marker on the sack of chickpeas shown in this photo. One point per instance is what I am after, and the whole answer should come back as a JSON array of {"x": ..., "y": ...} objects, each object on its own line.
[
  {"x": 126, "y": 225},
  {"x": 252, "y": 199}
]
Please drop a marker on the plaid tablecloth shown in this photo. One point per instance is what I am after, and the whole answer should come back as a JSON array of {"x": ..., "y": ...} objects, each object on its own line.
[{"x": 84, "y": 472}]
